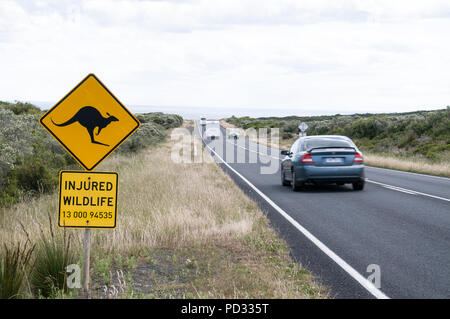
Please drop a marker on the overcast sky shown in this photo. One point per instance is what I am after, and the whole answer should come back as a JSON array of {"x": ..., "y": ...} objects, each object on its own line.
[{"x": 344, "y": 56}]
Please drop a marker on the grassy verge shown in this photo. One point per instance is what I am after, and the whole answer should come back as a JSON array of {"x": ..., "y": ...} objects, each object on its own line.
[
  {"x": 403, "y": 163},
  {"x": 411, "y": 164},
  {"x": 184, "y": 230}
]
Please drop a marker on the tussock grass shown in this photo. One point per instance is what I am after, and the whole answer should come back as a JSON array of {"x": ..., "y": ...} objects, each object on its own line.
[
  {"x": 53, "y": 255},
  {"x": 14, "y": 264},
  {"x": 219, "y": 243}
]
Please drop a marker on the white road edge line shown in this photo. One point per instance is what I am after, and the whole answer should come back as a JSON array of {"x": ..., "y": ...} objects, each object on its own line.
[
  {"x": 404, "y": 190},
  {"x": 344, "y": 265}
]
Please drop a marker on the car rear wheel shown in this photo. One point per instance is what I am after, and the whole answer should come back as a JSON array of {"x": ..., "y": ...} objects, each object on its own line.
[
  {"x": 284, "y": 182},
  {"x": 358, "y": 186},
  {"x": 296, "y": 186}
]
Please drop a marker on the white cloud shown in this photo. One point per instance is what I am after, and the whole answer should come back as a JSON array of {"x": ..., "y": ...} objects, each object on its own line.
[{"x": 332, "y": 55}]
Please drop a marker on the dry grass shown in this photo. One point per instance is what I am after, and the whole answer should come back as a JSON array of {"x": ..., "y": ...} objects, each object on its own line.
[
  {"x": 416, "y": 165},
  {"x": 225, "y": 124},
  {"x": 190, "y": 210}
]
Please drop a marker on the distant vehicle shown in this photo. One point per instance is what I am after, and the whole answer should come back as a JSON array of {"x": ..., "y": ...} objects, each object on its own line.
[
  {"x": 323, "y": 159},
  {"x": 212, "y": 133},
  {"x": 233, "y": 133},
  {"x": 203, "y": 121}
]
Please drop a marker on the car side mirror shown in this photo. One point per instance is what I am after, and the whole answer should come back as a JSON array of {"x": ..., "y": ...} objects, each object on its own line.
[{"x": 284, "y": 152}]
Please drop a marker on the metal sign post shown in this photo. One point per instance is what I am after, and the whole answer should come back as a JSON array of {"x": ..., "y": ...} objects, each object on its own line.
[{"x": 87, "y": 257}]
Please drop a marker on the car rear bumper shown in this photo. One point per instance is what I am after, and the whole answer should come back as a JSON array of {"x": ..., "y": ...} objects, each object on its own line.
[{"x": 349, "y": 174}]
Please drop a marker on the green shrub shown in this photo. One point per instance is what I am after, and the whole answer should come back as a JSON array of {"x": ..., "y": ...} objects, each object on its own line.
[
  {"x": 148, "y": 134},
  {"x": 409, "y": 139},
  {"x": 152, "y": 130},
  {"x": 34, "y": 176},
  {"x": 102, "y": 268},
  {"x": 21, "y": 108},
  {"x": 431, "y": 155},
  {"x": 167, "y": 121}
]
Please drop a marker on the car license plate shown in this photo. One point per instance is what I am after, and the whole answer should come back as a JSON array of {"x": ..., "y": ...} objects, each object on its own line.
[{"x": 333, "y": 160}]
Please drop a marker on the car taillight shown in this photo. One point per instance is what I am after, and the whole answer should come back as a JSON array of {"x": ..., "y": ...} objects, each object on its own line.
[
  {"x": 358, "y": 158},
  {"x": 307, "y": 158}
]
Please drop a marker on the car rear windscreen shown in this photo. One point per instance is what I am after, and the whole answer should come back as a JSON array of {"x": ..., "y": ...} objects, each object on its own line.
[{"x": 326, "y": 142}]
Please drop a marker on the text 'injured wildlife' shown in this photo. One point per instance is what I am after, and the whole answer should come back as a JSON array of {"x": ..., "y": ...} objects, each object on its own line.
[{"x": 88, "y": 199}]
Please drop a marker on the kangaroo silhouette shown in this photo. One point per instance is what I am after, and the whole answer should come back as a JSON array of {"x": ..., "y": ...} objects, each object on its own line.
[{"x": 90, "y": 118}]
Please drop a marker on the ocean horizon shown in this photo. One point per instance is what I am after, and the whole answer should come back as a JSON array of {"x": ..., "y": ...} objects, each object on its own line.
[{"x": 197, "y": 112}]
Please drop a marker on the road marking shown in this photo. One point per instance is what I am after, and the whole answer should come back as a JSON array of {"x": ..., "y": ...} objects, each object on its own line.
[
  {"x": 422, "y": 175},
  {"x": 275, "y": 157},
  {"x": 392, "y": 187},
  {"x": 405, "y": 190},
  {"x": 400, "y": 190},
  {"x": 344, "y": 265}
]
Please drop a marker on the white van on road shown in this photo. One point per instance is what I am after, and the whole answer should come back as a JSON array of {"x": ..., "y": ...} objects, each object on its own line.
[
  {"x": 233, "y": 133},
  {"x": 212, "y": 133}
]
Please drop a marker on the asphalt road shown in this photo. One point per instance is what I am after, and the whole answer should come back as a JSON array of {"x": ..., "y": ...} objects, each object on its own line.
[{"x": 400, "y": 223}]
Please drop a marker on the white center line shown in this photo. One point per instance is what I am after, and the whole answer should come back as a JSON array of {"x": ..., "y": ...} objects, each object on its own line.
[
  {"x": 411, "y": 173},
  {"x": 408, "y": 191},
  {"x": 275, "y": 157}
]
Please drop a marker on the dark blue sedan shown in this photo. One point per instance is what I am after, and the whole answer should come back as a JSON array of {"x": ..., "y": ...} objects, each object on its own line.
[{"x": 323, "y": 159}]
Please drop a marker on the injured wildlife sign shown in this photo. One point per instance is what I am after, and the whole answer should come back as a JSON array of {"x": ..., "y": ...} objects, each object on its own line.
[
  {"x": 90, "y": 122},
  {"x": 87, "y": 199}
]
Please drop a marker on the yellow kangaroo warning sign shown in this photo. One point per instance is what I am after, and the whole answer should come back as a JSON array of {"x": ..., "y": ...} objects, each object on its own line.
[
  {"x": 87, "y": 199},
  {"x": 90, "y": 122}
]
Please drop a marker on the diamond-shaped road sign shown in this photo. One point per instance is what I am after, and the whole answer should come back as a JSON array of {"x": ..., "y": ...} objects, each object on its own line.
[
  {"x": 90, "y": 122},
  {"x": 303, "y": 127}
]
